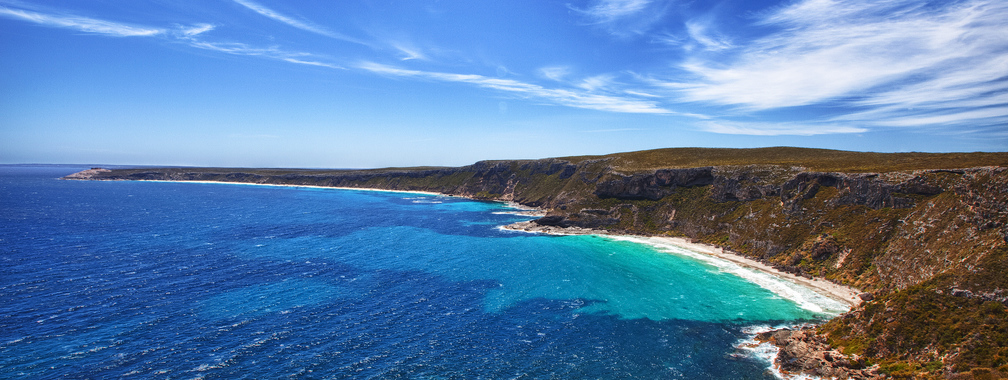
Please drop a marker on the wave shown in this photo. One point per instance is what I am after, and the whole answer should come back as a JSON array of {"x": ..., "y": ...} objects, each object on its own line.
[{"x": 803, "y": 296}]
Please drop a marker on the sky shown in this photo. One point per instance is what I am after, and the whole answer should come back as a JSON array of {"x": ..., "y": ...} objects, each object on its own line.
[{"x": 360, "y": 84}]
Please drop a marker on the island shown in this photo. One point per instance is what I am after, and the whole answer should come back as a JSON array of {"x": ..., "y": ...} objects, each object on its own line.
[{"x": 924, "y": 236}]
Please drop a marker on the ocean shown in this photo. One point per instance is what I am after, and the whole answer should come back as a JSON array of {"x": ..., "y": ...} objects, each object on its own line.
[{"x": 225, "y": 281}]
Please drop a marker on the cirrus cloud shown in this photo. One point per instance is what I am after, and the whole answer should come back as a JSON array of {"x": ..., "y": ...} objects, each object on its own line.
[
  {"x": 83, "y": 24},
  {"x": 886, "y": 53}
]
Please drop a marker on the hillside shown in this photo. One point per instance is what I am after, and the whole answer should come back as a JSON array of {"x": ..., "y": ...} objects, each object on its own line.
[{"x": 924, "y": 233}]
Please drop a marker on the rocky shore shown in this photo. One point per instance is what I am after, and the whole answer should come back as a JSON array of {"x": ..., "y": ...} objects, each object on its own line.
[
  {"x": 926, "y": 235},
  {"x": 802, "y": 351}
]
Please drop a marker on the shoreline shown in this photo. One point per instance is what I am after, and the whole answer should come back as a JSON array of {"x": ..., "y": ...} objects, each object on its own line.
[
  {"x": 522, "y": 209},
  {"x": 752, "y": 347},
  {"x": 845, "y": 294},
  {"x": 302, "y": 186},
  {"x": 849, "y": 296}
]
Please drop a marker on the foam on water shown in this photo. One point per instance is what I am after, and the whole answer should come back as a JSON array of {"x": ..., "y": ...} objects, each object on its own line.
[
  {"x": 803, "y": 296},
  {"x": 182, "y": 280}
]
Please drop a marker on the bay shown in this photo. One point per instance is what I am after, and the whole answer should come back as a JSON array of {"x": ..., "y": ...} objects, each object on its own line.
[{"x": 190, "y": 280}]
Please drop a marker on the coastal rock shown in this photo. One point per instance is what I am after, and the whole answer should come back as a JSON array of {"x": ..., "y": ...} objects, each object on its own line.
[
  {"x": 884, "y": 223},
  {"x": 87, "y": 174},
  {"x": 802, "y": 351},
  {"x": 852, "y": 189},
  {"x": 653, "y": 186}
]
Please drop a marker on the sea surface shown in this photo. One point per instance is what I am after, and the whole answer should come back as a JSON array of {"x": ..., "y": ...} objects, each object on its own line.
[{"x": 223, "y": 281}]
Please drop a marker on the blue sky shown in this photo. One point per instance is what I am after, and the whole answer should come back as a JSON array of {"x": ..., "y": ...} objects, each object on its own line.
[{"x": 401, "y": 83}]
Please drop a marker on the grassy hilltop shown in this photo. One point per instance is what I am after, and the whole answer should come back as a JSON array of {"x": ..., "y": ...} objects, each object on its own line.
[{"x": 925, "y": 234}]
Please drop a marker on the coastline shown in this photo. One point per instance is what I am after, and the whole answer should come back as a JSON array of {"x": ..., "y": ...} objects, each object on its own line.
[
  {"x": 753, "y": 346},
  {"x": 301, "y": 186},
  {"x": 522, "y": 209},
  {"x": 843, "y": 294},
  {"x": 790, "y": 356},
  {"x": 792, "y": 351}
]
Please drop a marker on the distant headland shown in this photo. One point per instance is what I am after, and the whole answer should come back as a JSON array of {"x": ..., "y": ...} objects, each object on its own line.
[{"x": 923, "y": 235}]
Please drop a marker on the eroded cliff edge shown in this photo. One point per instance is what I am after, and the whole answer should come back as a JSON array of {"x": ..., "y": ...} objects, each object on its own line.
[{"x": 925, "y": 234}]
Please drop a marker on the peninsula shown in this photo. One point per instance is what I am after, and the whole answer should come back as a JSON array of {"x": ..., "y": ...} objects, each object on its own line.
[{"x": 924, "y": 236}]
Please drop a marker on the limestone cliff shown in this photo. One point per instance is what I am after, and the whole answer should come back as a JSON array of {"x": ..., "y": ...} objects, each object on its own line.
[{"x": 925, "y": 234}]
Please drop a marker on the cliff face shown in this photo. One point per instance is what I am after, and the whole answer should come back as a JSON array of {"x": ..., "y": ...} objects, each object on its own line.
[{"x": 925, "y": 241}]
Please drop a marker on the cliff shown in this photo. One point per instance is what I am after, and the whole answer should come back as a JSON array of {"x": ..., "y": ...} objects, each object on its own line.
[{"x": 924, "y": 234}]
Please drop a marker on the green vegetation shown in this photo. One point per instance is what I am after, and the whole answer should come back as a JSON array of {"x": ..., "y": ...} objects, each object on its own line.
[
  {"x": 810, "y": 159},
  {"x": 925, "y": 329},
  {"x": 929, "y": 244}
]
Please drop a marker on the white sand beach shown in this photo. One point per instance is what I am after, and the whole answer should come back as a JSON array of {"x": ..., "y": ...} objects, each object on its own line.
[
  {"x": 845, "y": 295},
  {"x": 848, "y": 296}
]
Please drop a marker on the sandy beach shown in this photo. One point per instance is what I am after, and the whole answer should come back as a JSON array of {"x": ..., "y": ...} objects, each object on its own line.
[
  {"x": 307, "y": 187},
  {"x": 844, "y": 294}
]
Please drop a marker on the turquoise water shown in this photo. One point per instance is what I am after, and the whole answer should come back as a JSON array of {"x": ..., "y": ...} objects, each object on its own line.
[{"x": 188, "y": 280}]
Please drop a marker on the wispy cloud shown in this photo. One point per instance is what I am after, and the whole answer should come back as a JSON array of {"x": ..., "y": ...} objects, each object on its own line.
[
  {"x": 314, "y": 63},
  {"x": 563, "y": 97},
  {"x": 257, "y": 8},
  {"x": 190, "y": 35},
  {"x": 613, "y": 10},
  {"x": 272, "y": 52},
  {"x": 597, "y": 82},
  {"x": 624, "y": 18},
  {"x": 556, "y": 73},
  {"x": 953, "y": 116},
  {"x": 644, "y": 94},
  {"x": 83, "y": 24},
  {"x": 777, "y": 129},
  {"x": 408, "y": 52},
  {"x": 303, "y": 25},
  {"x": 191, "y": 31},
  {"x": 700, "y": 31},
  {"x": 898, "y": 62},
  {"x": 613, "y": 130}
]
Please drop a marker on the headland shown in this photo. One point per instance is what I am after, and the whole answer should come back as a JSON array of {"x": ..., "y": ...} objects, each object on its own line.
[{"x": 924, "y": 235}]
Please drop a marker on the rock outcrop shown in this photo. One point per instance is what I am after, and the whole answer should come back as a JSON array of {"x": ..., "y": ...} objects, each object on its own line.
[
  {"x": 921, "y": 234},
  {"x": 803, "y": 351}
]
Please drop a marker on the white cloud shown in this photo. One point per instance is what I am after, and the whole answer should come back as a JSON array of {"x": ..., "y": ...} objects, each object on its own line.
[
  {"x": 598, "y": 82},
  {"x": 700, "y": 31},
  {"x": 196, "y": 29},
  {"x": 556, "y": 73},
  {"x": 624, "y": 18},
  {"x": 303, "y": 25},
  {"x": 314, "y": 63},
  {"x": 993, "y": 115},
  {"x": 186, "y": 34},
  {"x": 639, "y": 93},
  {"x": 408, "y": 51},
  {"x": 83, "y": 24},
  {"x": 563, "y": 97},
  {"x": 236, "y": 48},
  {"x": 776, "y": 129},
  {"x": 272, "y": 52},
  {"x": 898, "y": 54},
  {"x": 613, "y": 130},
  {"x": 612, "y": 10},
  {"x": 258, "y": 8}
]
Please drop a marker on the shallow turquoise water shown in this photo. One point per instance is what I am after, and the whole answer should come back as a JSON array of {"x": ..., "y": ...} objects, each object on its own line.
[{"x": 186, "y": 280}]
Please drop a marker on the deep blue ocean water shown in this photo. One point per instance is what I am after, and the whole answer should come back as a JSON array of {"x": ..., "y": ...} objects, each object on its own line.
[{"x": 190, "y": 280}]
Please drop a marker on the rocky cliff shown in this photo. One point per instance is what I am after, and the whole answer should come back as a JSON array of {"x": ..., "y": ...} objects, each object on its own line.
[{"x": 924, "y": 234}]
